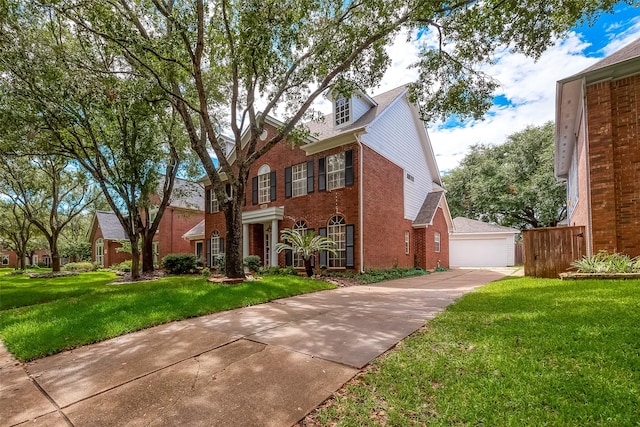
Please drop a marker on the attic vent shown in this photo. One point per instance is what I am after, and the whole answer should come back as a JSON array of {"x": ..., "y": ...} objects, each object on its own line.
[{"x": 410, "y": 177}]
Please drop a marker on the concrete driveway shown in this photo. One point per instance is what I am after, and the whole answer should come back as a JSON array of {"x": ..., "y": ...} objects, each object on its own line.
[{"x": 265, "y": 365}]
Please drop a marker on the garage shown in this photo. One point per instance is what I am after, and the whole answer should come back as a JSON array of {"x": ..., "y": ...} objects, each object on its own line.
[{"x": 480, "y": 244}]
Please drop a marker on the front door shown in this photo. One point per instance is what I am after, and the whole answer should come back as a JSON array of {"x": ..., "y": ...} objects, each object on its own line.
[{"x": 267, "y": 246}]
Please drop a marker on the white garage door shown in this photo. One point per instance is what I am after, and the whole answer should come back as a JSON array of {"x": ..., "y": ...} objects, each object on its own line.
[{"x": 478, "y": 253}]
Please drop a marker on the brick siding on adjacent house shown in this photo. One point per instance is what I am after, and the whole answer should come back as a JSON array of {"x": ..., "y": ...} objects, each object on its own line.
[
  {"x": 435, "y": 259},
  {"x": 580, "y": 214},
  {"x": 614, "y": 159},
  {"x": 174, "y": 223}
]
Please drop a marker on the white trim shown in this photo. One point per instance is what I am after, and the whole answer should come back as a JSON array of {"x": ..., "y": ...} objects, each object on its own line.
[{"x": 261, "y": 216}]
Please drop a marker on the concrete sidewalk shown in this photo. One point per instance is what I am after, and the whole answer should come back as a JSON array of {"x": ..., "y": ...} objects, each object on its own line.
[{"x": 265, "y": 365}]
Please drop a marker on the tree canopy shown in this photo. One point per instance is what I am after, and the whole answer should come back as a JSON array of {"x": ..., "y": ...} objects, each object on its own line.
[
  {"x": 224, "y": 65},
  {"x": 511, "y": 184}
]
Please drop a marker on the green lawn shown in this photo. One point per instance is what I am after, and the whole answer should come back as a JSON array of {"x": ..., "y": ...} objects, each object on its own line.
[
  {"x": 39, "y": 317},
  {"x": 517, "y": 352}
]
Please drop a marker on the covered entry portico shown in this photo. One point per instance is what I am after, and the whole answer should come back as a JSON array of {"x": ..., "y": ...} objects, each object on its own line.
[{"x": 268, "y": 219}]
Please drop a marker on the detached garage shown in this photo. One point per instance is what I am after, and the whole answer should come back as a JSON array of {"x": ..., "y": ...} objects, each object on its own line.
[{"x": 479, "y": 244}]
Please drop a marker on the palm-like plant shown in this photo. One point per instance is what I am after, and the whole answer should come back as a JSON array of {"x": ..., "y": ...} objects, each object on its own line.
[{"x": 305, "y": 245}]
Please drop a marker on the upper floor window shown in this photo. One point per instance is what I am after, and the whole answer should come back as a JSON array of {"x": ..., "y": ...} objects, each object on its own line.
[
  {"x": 214, "y": 206},
  {"x": 342, "y": 108},
  {"x": 299, "y": 179},
  {"x": 264, "y": 184},
  {"x": 436, "y": 241},
  {"x": 335, "y": 171}
]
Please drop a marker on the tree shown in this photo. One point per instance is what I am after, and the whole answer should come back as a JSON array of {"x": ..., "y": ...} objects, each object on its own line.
[
  {"x": 15, "y": 231},
  {"x": 304, "y": 244},
  {"x": 63, "y": 85},
  {"x": 218, "y": 62},
  {"x": 510, "y": 184},
  {"x": 49, "y": 191}
]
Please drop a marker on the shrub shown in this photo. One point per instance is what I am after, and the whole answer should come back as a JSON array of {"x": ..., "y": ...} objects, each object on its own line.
[
  {"x": 42, "y": 264},
  {"x": 79, "y": 267},
  {"x": 278, "y": 271},
  {"x": 604, "y": 262},
  {"x": 123, "y": 266},
  {"x": 252, "y": 262},
  {"x": 52, "y": 275},
  {"x": 220, "y": 263},
  {"x": 179, "y": 263},
  {"x": 206, "y": 273}
]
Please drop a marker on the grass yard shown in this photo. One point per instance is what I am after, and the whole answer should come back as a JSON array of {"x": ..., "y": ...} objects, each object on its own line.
[
  {"x": 40, "y": 317},
  {"x": 519, "y": 351}
]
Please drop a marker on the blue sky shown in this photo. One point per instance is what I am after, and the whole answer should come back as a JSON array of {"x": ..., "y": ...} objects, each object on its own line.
[{"x": 527, "y": 92}]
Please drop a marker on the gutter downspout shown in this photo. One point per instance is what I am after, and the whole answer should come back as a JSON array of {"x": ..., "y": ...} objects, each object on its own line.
[
  {"x": 360, "y": 202},
  {"x": 585, "y": 130}
]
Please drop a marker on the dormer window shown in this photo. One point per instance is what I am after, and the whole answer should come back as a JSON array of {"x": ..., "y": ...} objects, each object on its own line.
[{"x": 342, "y": 107}]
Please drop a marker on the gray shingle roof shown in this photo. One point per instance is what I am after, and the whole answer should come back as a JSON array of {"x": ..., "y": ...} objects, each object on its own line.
[
  {"x": 324, "y": 129},
  {"x": 630, "y": 51},
  {"x": 196, "y": 231},
  {"x": 110, "y": 226},
  {"x": 467, "y": 225},
  {"x": 428, "y": 209}
]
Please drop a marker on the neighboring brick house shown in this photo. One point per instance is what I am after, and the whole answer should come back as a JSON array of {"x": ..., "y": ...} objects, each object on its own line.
[
  {"x": 597, "y": 150},
  {"x": 182, "y": 213},
  {"x": 366, "y": 177},
  {"x": 9, "y": 259}
]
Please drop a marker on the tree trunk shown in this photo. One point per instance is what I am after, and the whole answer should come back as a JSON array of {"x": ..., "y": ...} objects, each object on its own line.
[
  {"x": 135, "y": 258},
  {"x": 307, "y": 267},
  {"x": 233, "y": 242},
  {"x": 21, "y": 264},
  {"x": 55, "y": 254},
  {"x": 147, "y": 252}
]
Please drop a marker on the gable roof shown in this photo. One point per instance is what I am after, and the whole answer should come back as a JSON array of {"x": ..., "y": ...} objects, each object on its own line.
[
  {"x": 110, "y": 226},
  {"x": 569, "y": 93},
  {"x": 467, "y": 225},
  {"x": 429, "y": 208},
  {"x": 324, "y": 129},
  {"x": 197, "y": 232}
]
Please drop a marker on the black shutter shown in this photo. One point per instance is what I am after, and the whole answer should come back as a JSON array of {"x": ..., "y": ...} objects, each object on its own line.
[
  {"x": 254, "y": 190},
  {"x": 323, "y": 254},
  {"x": 322, "y": 175},
  {"x": 350, "y": 255},
  {"x": 310, "y": 176},
  {"x": 207, "y": 201},
  {"x": 287, "y": 182},
  {"x": 288, "y": 258},
  {"x": 272, "y": 182},
  {"x": 221, "y": 245},
  {"x": 348, "y": 168},
  {"x": 227, "y": 188},
  {"x": 313, "y": 257},
  {"x": 208, "y": 253}
]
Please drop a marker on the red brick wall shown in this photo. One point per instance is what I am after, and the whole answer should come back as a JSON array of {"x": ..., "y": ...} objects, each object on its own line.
[
  {"x": 580, "y": 215},
  {"x": 433, "y": 259},
  {"x": 614, "y": 158},
  {"x": 174, "y": 223},
  {"x": 384, "y": 223}
]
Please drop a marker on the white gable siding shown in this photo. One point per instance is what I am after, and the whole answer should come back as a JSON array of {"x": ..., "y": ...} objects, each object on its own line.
[
  {"x": 359, "y": 106},
  {"x": 396, "y": 136}
]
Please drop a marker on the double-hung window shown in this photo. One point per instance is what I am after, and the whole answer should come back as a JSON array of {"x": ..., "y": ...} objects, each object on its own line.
[
  {"x": 264, "y": 185},
  {"x": 214, "y": 205},
  {"x": 299, "y": 179},
  {"x": 300, "y": 227},
  {"x": 335, "y": 171},
  {"x": 436, "y": 241}
]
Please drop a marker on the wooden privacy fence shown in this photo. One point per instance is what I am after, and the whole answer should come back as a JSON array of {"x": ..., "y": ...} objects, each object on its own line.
[{"x": 550, "y": 251}]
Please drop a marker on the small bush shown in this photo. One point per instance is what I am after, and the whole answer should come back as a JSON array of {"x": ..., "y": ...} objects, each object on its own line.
[
  {"x": 206, "y": 273},
  {"x": 124, "y": 266},
  {"x": 42, "y": 264},
  {"x": 179, "y": 263},
  {"x": 220, "y": 263},
  {"x": 79, "y": 267},
  {"x": 278, "y": 271},
  {"x": 52, "y": 275},
  {"x": 252, "y": 262}
]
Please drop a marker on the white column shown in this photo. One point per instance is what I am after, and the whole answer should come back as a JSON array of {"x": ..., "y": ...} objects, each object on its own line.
[
  {"x": 274, "y": 240},
  {"x": 245, "y": 240}
]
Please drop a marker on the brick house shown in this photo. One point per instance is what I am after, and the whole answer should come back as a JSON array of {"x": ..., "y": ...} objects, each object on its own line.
[
  {"x": 597, "y": 150},
  {"x": 182, "y": 213},
  {"x": 366, "y": 177},
  {"x": 9, "y": 258}
]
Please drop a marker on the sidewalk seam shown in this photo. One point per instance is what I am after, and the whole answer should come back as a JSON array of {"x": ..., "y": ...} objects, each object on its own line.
[{"x": 48, "y": 397}]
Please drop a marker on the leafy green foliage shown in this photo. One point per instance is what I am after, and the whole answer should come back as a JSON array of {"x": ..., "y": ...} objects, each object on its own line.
[
  {"x": 124, "y": 266},
  {"x": 179, "y": 263},
  {"x": 604, "y": 262},
  {"x": 42, "y": 317},
  {"x": 304, "y": 244},
  {"x": 518, "y": 351},
  {"x": 252, "y": 262},
  {"x": 510, "y": 184},
  {"x": 220, "y": 263},
  {"x": 80, "y": 267},
  {"x": 276, "y": 270}
]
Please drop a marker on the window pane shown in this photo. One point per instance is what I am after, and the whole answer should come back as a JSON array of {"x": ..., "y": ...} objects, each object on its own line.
[
  {"x": 342, "y": 110},
  {"x": 335, "y": 171},
  {"x": 336, "y": 231},
  {"x": 264, "y": 195},
  {"x": 301, "y": 227},
  {"x": 299, "y": 179}
]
